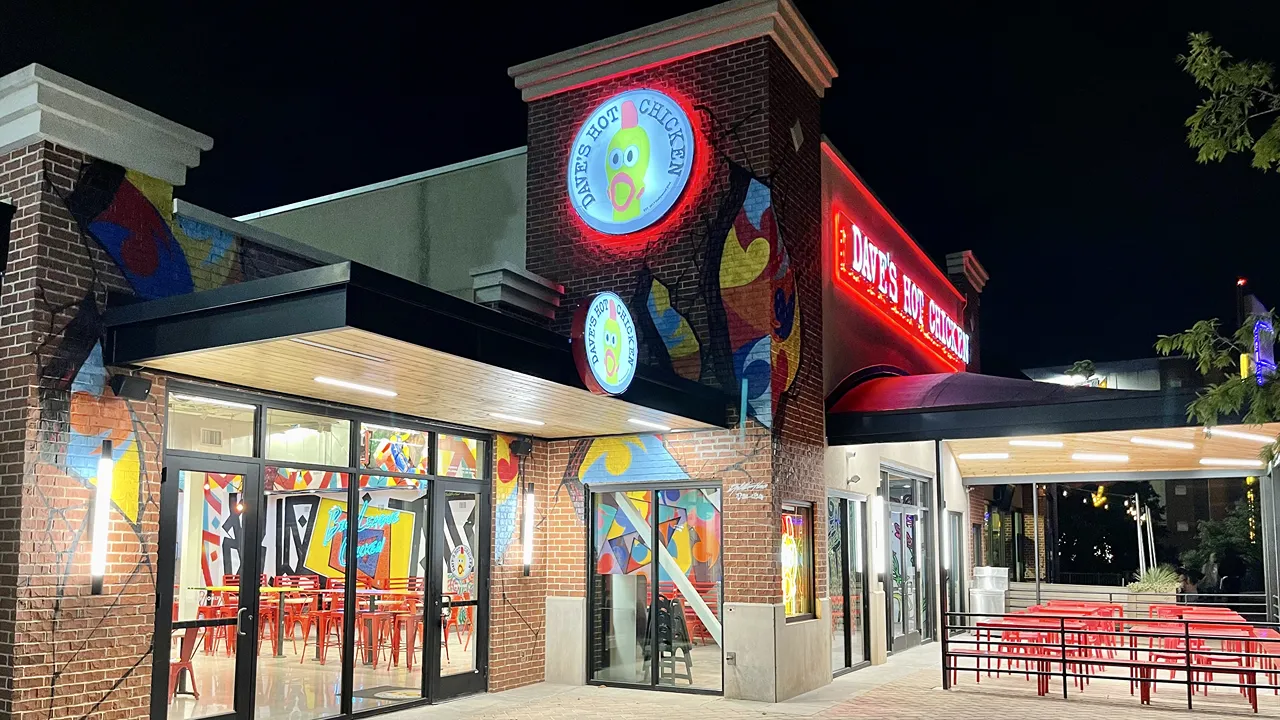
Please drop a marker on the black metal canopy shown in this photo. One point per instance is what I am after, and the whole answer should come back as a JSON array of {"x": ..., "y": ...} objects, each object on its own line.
[{"x": 350, "y": 295}]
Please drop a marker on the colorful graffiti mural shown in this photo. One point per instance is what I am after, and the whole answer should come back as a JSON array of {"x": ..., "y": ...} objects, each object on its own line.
[
  {"x": 458, "y": 456},
  {"x": 688, "y": 529},
  {"x": 394, "y": 450},
  {"x": 679, "y": 347},
  {"x": 753, "y": 296},
  {"x": 631, "y": 458},
  {"x": 506, "y": 496},
  {"x": 130, "y": 215},
  {"x": 384, "y": 544}
]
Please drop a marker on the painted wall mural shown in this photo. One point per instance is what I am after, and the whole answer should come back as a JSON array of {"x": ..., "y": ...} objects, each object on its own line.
[
  {"x": 755, "y": 299},
  {"x": 130, "y": 215},
  {"x": 748, "y": 292},
  {"x": 506, "y": 496},
  {"x": 679, "y": 347},
  {"x": 631, "y": 458}
]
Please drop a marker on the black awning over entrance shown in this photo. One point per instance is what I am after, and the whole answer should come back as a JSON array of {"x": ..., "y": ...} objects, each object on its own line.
[
  {"x": 447, "y": 359},
  {"x": 952, "y": 406}
]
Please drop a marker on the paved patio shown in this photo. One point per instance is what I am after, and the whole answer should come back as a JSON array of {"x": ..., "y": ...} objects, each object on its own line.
[{"x": 908, "y": 686}]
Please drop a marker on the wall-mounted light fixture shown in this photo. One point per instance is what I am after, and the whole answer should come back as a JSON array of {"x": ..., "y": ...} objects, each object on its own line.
[
  {"x": 877, "y": 534},
  {"x": 101, "y": 517},
  {"x": 526, "y": 533}
]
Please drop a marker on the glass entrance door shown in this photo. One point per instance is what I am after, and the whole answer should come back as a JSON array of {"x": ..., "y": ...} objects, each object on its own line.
[
  {"x": 207, "y": 548},
  {"x": 654, "y": 589},
  {"x": 457, "y": 645},
  {"x": 905, "y": 530}
]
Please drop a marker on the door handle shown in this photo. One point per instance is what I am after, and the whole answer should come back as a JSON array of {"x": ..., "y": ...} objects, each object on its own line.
[{"x": 239, "y": 617}]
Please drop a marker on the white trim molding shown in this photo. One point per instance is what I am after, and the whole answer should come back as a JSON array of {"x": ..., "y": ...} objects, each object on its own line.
[
  {"x": 691, "y": 34},
  {"x": 37, "y": 103}
]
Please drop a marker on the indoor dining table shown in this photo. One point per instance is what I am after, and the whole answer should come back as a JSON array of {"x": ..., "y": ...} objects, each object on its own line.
[
  {"x": 372, "y": 595},
  {"x": 279, "y": 592}
]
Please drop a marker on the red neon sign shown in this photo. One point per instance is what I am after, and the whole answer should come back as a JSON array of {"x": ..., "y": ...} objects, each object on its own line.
[{"x": 871, "y": 274}]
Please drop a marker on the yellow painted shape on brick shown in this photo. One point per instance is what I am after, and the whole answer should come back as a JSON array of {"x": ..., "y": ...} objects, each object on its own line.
[
  {"x": 616, "y": 452},
  {"x": 739, "y": 265},
  {"x": 157, "y": 192},
  {"x": 126, "y": 481}
]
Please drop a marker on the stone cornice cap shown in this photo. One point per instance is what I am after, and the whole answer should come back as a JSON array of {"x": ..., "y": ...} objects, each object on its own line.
[
  {"x": 37, "y": 103},
  {"x": 696, "y": 32}
]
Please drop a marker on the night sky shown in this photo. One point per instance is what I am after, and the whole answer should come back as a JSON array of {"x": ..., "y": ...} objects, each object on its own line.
[{"x": 1047, "y": 138}]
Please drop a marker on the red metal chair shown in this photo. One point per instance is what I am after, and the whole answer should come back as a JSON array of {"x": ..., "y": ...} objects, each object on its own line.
[{"x": 186, "y": 650}]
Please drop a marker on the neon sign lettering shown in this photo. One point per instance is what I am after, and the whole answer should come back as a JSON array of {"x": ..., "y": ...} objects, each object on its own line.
[
  {"x": 338, "y": 527},
  {"x": 871, "y": 272}
]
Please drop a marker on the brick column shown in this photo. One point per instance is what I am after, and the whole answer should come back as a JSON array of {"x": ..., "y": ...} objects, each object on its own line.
[{"x": 726, "y": 290}]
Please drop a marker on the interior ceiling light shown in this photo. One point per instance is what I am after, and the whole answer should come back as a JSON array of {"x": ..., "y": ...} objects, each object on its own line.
[
  {"x": 1253, "y": 437},
  {"x": 1159, "y": 442},
  {"x": 355, "y": 386},
  {"x": 984, "y": 456},
  {"x": 647, "y": 424},
  {"x": 1100, "y": 457},
  {"x": 212, "y": 401},
  {"x": 1036, "y": 443},
  {"x": 516, "y": 419},
  {"x": 1231, "y": 462},
  {"x": 344, "y": 351}
]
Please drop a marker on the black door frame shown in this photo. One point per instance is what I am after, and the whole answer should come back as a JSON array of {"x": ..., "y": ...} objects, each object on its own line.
[
  {"x": 437, "y": 687},
  {"x": 250, "y": 543},
  {"x": 850, "y": 503},
  {"x": 254, "y": 465},
  {"x": 654, "y": 682}
]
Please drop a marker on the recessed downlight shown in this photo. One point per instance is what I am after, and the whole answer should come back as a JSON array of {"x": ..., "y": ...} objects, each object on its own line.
[
  {"x": 1232, "y": 462},
  {"x": 358, "y": 387},
  {"x": 1055, "y": 444},
  {"x": 1162, "y": 443},
  {"x": 983, "y": 456},
  {"x": 1252, "y": 437},
  {"x": 516, "y": 419}
]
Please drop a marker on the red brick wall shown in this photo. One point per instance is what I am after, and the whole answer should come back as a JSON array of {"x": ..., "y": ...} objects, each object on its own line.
[
  {"x": 977, "y": 511},
  {"x": 65, "y": 653},
  {"x": 730, "y": 88},
  {"x": 517, "y": 604},
  {"x": 796, "y": 175}
]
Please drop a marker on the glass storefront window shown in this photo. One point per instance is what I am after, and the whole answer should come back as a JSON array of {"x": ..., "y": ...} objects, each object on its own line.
[
  {"x": 299, "y": 437},
  {"x": 458, "y": 456},
  {"x": 846, "y": 544},
  {"x": 394, "y": 449},
  {"x": 797, "y": 560},
  {"x": 210, "y": 425}
]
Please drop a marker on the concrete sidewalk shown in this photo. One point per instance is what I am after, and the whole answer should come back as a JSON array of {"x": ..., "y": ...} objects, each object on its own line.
[
  {"x": 918, "y": 667},
  {"x": 909, "y": 686}
]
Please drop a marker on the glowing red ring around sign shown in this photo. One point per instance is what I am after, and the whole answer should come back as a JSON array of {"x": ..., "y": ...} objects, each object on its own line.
[{"x": 699, "y": 178}]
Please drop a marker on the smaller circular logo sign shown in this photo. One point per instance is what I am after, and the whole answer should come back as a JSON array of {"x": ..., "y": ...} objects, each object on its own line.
[
  {"x": 630, "y": 161},
  {"x": 605, "y": 344},
  {"x": 461, "y": 563}
]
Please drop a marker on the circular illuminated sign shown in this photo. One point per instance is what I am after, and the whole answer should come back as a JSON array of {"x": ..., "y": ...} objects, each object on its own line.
[
  {"x": 605, "y": 344},
  {"x": 630, "y": 161}
]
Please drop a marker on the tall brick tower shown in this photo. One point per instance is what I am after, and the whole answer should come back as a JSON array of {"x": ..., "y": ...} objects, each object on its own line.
[{"x": 725, "y": 285}]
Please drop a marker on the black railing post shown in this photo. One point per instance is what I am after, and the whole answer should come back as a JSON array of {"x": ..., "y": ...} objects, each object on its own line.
[
  {"x": 1062, "y": 642},
  {"x": 1186, "y": 646},
  {"x": 946, "y": 635}
]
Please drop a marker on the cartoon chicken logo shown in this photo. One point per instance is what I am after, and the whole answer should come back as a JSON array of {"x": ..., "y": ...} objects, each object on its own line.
[
  {"x": 628, "y": 161},
  {"x": 612, "y": 341}
]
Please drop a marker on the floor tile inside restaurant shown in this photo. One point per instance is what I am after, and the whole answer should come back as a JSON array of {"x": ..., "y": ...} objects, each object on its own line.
[{"x": 299, "y": 687}]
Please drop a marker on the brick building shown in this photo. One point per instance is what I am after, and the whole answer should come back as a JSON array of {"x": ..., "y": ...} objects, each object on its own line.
[{"x": 646, "y": 447}]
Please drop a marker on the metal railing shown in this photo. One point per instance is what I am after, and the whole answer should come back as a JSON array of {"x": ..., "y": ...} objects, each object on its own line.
[
  {"x": 1140, "y": 648},
  {"x": 1089, "y": 578},
  {"x": 1253, "y": 606}
]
